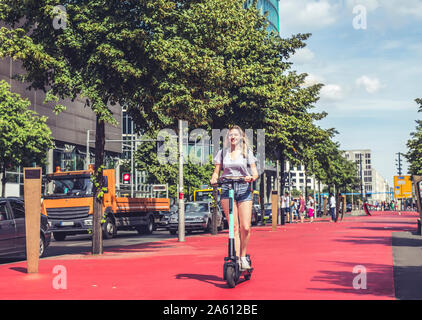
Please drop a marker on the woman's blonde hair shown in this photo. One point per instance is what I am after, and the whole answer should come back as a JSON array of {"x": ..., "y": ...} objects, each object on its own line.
[{"x": 244, "y": 143}]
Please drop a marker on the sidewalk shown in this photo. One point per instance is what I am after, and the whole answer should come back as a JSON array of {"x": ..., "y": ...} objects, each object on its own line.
[{"x": 298, "y": 261}]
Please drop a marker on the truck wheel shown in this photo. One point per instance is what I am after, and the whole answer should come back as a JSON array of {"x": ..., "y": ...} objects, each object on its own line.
[
  {"x": 147, "y": 229},
  {"x": 109, "y": 229},
  {"x": 59, "y": 236}
]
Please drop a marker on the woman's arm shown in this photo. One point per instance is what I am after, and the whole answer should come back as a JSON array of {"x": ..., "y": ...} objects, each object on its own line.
[
  {"x": 215, "y": 174},
  {"x": 254, "y": 174}
]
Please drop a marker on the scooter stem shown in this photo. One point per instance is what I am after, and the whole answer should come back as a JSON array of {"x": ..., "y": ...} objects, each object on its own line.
[{"x": 232, "y": 251}]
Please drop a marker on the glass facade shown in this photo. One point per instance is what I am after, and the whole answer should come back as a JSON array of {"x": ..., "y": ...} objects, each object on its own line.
[{"x": 270, "y": 6}]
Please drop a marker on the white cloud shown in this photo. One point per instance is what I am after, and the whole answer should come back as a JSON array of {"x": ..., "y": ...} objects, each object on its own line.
[
  {"x": 312, "y": 79},
  {"x": 404, "y": 7},
  {"x": 370, "y": 5},
  {"x": 302, "y": 15},
  {"x": 302, "y": 56},
  {"x": 332, "y": 92},
  {"x": 371, "y": 85}
]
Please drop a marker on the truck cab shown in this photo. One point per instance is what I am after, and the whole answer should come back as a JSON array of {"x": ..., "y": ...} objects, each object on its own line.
[{"x": 68, "y": 204}]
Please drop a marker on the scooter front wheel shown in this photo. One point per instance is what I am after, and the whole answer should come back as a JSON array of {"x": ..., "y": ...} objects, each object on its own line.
[{"x": 231, "y": 276}]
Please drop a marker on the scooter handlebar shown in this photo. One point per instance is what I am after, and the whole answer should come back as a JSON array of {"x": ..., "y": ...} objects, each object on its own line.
[{"x": 223, "y": 181}]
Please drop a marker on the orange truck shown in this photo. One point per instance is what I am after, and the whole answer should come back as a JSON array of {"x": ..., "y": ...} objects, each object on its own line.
[{"x": 68, "y": 204}]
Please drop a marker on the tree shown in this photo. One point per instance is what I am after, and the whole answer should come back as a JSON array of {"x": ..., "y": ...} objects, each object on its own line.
[
  {"x": 147, "y": 159},
  {"x": 136, "y": 54},
  {"x": 414, "y": 145},
  {"x": 25, "y": 137}
]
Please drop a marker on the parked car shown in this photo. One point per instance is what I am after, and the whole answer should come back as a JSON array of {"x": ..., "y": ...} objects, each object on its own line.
[
  {"x": 268, "y": 212},
  {"x": 198, "y": 216},
  {"x": 349, "y": 207},
  {"x": 12, "y": 229},
  {"x": 256, "y": 214},
  {"x": 164, "y": 216}
]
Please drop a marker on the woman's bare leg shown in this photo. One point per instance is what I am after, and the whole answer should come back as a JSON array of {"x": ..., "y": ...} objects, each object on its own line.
[{"x": 245, "y": 213}]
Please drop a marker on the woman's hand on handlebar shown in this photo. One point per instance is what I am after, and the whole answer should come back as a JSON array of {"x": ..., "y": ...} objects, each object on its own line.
[
  {"x": 249, "y": 179},
  {"x": 214, "y": 180}
]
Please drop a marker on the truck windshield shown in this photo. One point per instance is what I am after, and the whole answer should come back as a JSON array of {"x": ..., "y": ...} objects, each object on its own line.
[{"x": 70, "y": 186}]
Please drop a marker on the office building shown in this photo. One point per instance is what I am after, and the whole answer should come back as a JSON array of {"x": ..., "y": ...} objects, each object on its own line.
[
  {"x": 69, "y": 130},
  {"x": 373, "y": 185}
]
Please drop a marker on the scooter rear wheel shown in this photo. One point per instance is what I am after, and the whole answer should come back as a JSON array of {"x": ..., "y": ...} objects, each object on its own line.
[{"x": 231, "y": 276}]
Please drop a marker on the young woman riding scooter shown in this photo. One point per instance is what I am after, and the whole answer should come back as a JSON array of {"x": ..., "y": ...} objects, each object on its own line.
[{"x": 237, "y": 162}]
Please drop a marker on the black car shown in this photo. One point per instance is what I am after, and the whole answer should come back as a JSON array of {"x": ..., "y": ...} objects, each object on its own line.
[{"x": 12, "y": 229}]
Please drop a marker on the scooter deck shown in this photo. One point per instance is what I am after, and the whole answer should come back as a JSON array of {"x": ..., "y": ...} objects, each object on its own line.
[{"x": 246, "y": 272}]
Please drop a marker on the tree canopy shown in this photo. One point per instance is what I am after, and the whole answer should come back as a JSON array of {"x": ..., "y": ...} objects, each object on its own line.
[
  {"x": 414, "y": 145},
  {"x": 25, "y": 137}
]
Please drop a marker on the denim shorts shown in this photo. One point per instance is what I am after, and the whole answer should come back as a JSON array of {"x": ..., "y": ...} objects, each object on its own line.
[{"x": 242, "y": 191}]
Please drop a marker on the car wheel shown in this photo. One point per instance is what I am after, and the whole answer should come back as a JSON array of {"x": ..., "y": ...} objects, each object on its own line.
[
  {"x": 59, "y": 236},
  {"x": 42, "y": 246},
  {"x": 173, "y": 232},
  {"x": 209, "y": 226},
  {"x": 221, "y": 226}
]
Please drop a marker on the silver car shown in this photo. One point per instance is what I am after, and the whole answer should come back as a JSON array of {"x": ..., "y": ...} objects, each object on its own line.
[{"x": 198, "y": 216}]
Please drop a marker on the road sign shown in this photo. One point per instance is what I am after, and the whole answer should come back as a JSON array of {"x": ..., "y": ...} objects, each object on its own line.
[
  {"x": 402, "y": 187},
  {"x": 159, "y": 187}
]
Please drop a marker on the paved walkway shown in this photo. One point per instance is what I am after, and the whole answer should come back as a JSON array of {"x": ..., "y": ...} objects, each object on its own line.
[{"x": 298, "y": 261}]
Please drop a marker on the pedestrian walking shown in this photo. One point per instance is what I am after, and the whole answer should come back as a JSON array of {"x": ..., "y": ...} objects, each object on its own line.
[
  {"x": 301, "y": 208},
  {"x": 294, "y": 210},
  {"x": 285, "y": 207},
  {"x": 332, "y": 207},
  {"x": 311, "y": 208}
]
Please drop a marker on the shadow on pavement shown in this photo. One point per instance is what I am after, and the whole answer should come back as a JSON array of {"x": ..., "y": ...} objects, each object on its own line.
[
  {"x": 378, "y": 280},
  {"x": 19, "y": 269},
  {"x": 367, "y": 240},
  {"x": 211, "y": 279},
  {"x": 207, "y": 278}
]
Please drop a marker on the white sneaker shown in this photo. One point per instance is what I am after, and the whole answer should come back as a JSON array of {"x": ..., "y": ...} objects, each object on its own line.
[{"x": 244, "y": 263}]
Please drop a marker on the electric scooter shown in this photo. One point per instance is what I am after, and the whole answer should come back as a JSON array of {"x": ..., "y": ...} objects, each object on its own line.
[{"x": 231, "y": 268}]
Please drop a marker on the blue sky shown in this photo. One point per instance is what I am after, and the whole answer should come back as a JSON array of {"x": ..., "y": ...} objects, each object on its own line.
[{"x": 372, "y": 76}]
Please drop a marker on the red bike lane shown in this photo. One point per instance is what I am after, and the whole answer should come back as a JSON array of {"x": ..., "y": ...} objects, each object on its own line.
[{"x": 311, "y": 261}]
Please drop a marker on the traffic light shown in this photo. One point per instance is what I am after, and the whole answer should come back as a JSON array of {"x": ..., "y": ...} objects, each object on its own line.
[{"x": 126, "y": 178}]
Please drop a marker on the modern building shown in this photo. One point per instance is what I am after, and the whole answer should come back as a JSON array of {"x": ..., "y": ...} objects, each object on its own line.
[
  {"x": 299, "y": 180},
  {"x": 373, "y": 185},
  {"x": 69, "y": 128},
  {"x": 270, "y": 6}
]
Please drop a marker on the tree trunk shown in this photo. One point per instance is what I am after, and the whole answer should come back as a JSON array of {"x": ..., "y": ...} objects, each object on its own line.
[
  {"x": 3, "y": 181},
  {"x": 97, "y": 236},
  {"x": 282, "y": 175},
  {"x": 306, "y": 182},
  {"x": 262, "y": 195}
]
